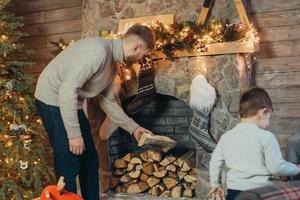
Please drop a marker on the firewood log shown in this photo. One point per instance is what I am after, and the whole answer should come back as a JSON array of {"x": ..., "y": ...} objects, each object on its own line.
[
  {"x": 154, "y": 155},
  {"x": 169, "y": 182},
  {"x": 171, "y": 168},
  {"x": 185, "y": 157},
  {"x": 172, "y": 175},
  {"x": 144, "y": 177},
  {"x": 152, "y": 181},
  {"x": 160, "y": 174},
  {"x": 121, "y": 189},
  {"x": 119, "y": 172},
  {"x": 130, "y": 167},
  {"x": 125, "y": 178},
  {"x": 131, "y": 182},
  {"x": 155, "y": 167},
  {"x": 167, "y": 160},
  {"x": 188, "y": 193},
  {"x": 133, "y": 189},
  {"x": 114, "y": 182},
  {"x": 190, "y": 178},
  {"x": 165, "y": 142},
  {"x": 144, "y": 156},
  {"x": 127, "y": 157},
  {"x": 143, "y": 186},
  {"x": 165, "y": 193},
  {"x": 154, "y": 191},
  {"x": 138, "y": 167},
  {"x": 176, "y": 191},
  {"x": 181, "y": 174},
  {"x": 136, "y": 160},
  {"x": 134, "y": 174},
  {"x": 188, "y": 164},
  {"x": 120, "y": 164},
  {"x": 148, "y": 169}
]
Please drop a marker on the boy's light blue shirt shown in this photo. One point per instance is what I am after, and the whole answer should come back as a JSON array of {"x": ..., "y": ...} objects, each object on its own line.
[{"x": 252, "y": 156}]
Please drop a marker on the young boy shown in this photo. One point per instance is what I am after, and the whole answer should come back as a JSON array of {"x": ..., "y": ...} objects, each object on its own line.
[{"x": 251, "y": 153}]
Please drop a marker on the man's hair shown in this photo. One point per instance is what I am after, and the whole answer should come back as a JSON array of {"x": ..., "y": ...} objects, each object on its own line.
[
  {"x": 145, "y": 33},
  {"x": 252, "y": 100}
]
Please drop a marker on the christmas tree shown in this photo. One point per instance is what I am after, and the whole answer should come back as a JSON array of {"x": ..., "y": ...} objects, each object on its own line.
[{"x": 24, "y": 166}]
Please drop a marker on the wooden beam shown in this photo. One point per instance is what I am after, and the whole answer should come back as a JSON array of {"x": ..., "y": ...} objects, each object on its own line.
[{"x": 216, "y": 49}]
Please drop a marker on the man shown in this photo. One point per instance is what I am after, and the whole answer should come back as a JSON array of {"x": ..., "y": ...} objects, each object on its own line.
[{"x": 84, "y": 70}]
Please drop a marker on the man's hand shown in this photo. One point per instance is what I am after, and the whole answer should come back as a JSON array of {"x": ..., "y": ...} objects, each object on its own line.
[
  {"x": 139, "y": 131},
  {"x": 76, "y": 145},
  {"x": 216, "y": 193}
]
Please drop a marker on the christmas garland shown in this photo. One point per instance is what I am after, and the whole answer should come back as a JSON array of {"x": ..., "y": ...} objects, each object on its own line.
[{"x": 190, "y": 36}]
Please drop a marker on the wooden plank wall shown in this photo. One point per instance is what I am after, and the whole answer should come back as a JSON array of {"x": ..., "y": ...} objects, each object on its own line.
[
  {"x": 48, "y": 20},
  {"x": 278, "y": 62}
]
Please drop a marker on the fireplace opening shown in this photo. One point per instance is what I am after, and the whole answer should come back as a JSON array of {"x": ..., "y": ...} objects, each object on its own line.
[{"x": 165, "y": 115}]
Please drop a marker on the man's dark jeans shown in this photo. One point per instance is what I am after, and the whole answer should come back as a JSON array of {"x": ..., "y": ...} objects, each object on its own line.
[{"x": 66, "y": 163}]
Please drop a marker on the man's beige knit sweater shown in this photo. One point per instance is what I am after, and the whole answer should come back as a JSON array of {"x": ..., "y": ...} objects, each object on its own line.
[{"x": 84, "y": 70}]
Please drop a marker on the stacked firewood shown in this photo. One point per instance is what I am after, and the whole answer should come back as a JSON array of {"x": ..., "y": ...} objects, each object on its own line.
[{"x": 149, "y": 172}]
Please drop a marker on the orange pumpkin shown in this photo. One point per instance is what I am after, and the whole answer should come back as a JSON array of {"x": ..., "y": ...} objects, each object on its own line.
[{"x": 52, "y": 192}]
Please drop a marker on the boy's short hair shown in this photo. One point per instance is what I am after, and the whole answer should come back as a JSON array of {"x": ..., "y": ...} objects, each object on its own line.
[
  {"x": 252, "y": 100},
  {"x": 145, "y": 33}
]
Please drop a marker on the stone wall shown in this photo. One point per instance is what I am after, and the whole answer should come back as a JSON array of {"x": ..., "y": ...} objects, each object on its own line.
[{"x": 104, "y": 14}]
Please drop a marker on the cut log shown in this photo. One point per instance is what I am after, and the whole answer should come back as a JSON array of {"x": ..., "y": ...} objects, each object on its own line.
[
  {"x": 148, "y": 169},
  {"x": 134, "y": 174},
  {"x": 193, "y": 185},
  {"x": 114, "y": 182},
  {"x": 172, "y": 175},
  {"x": 154, "y": 191},
  {"x": 161, "y": 187},
  {"x": 189, "y": 164},
  {"x": 161, "y": 168},
  {"x": 155, "y": 167},
  {"x": 167, "y": 160},
  {"x": 165, "y": 142},
  {"x": 136, "y": 161},
  {"x": 181, "y": 174},
  {"x": 133, "y": 189},
  {"x": 152, "y": 181},
  {"x": 130, "y": 167},
  {"x": 138, "y": 167},
  {"x": 176, "y": 191},
  {"x": 127, "y": 157},
  {"x": 144, "y": 156},
  {"x": 125, "y": 178},
  {"x": 190, "y": 178},
  {"x": 131, "y": 182},
  {"x": 160, "y": 174},
  {"x": 119, "y": 172},
  {"x": 120, "y": 164},
  {"x": 165, "y": 193},
  {"x": 188, "y": 193},
  {"x": 143, "y": 186},
  {"x": 154, "y": 155},
  {"x": 144, "y": 177},
  {"x": 171, "y": 168},
  {"x": 169, "y": 182},
  {"x": 121, "y": 189},
  {"x": 185, "y": 157}
]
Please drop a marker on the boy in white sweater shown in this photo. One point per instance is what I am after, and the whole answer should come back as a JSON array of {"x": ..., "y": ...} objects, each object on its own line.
[{"x": 251, "y": 154}]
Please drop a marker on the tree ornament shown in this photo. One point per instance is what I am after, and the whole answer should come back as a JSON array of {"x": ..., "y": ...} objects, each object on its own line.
[{"x": 23, "y": 164}]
